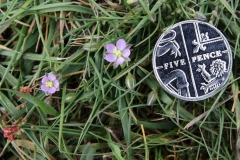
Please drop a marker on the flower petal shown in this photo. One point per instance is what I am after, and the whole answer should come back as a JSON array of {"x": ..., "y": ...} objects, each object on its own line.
[
  {"x": 121, "y": 44},
  {"x": 120, "y": 60},
  {"x": 44, "y": 88},
  {"x": 51, "y": 77},
  {"x": 111, "y": 57},
  {"x": 126, "y": 53},
  {"x": 45, "y": 79},
  {"x": 52, "y": 90},
  {"x": 110, "y": 48},
  {"x": 56, "y": 83}
]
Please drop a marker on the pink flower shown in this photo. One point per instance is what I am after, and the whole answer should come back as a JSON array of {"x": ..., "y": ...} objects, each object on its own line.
[
  {"x": 119, "y": 53},
  {"x": 50, "y": 83}
]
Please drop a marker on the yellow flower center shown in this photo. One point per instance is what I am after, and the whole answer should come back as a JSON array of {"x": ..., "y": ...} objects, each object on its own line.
[
  {"x": 49, "y": 84},
  {"x": 118, "y": 53}
]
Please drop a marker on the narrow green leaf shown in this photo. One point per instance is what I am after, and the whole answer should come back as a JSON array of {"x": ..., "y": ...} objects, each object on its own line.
[
  {"x": 36, "y": 142},
  {"x": 125, "y": 119},
  {"x": 5, "y": 102},
  {"x": 5, "y": 25},
  {"x": 22, "y": 9},
  {"x": 158, "y": 125},
  {"x": 10, "y": 7},
  {"x": 98, "y": 74},
  {"x": 226, "y": 4},
  {"x": 12, "y": 80},
  {"x": 43, "y": 106},
  {"x": 115, "y": 149},
  {"x": 146, "y": 8},
  {"x": 54, "y": 8},
  {"x": 62, "y": 114},
  {"x": 88, "y": 152},
  {"x": 31, "y": 56}
]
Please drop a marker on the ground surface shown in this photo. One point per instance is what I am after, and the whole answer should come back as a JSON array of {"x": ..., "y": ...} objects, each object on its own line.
[{"x": 101, "y": 112}]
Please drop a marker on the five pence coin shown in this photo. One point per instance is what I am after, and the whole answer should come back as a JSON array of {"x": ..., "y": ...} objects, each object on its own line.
[{"x": 192, "y": 60}]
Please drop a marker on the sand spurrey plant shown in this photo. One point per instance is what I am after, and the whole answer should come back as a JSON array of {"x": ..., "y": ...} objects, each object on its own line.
[{"x": 105, "y": 106}]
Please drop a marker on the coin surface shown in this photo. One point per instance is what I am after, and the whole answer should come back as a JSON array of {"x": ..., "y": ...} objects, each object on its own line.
[{"x": 192, "y": 60}]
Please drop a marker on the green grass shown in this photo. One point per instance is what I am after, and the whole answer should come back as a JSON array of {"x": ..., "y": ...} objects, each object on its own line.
[{"x": 104, "y": 119}]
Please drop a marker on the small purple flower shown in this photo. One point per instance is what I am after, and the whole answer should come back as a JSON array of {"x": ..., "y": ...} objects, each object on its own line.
[
  {"x": 50, "y": 83},
  {"x": 119, "y": 53}
]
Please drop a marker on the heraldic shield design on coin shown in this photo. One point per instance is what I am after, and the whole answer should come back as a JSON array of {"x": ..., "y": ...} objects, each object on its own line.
[{"x": 192, "y": 60}]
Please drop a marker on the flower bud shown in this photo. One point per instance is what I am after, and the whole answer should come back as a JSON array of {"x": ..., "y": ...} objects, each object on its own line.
[
  {"x": 171, "y": 113},
  {"x": 130, "y": 81},
  {"x": 91, "y": 46},
  {"x": 48, "y": 100},
  {"x": 131, "y": 1},
  {"x": 153, "y": 17},
  {"x": 199, "y": 16},
  {"x": 152, "y": 98},
  {"x": 69, "y": 97},
  {"x": 178, "y": 10}
]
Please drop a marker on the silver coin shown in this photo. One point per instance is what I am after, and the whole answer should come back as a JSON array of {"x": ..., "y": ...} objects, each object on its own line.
[{"x": 192, "y": 60}]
